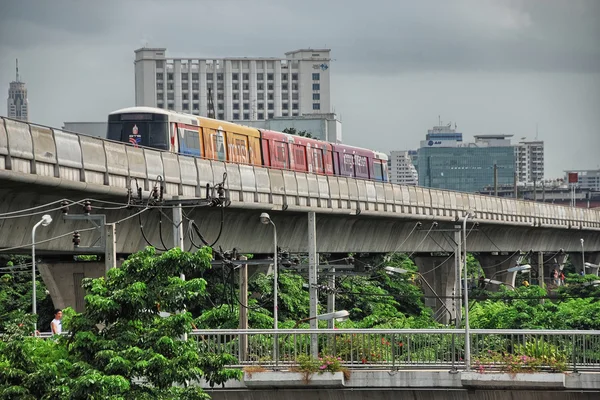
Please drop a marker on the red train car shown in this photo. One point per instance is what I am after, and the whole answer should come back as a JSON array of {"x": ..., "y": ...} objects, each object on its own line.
[{"x": 296, "y": 153}]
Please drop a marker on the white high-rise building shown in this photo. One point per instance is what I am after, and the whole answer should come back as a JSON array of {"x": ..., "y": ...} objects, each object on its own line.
[
  {"x": 401, "y": 168},
  {"x": 242, "y": 88},
  {"x": 529, "y": 160},
  {"x": 17, "y": 103}
]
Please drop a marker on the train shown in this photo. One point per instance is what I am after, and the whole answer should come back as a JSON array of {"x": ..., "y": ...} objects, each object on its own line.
[{"x": 225, "y": 141}]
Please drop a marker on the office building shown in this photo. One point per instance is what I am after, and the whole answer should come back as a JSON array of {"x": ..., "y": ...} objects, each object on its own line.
[
  {"x": 241, "y": 88},
  {"x": 401, "y": 169},
  {"x": 529, "y": 156},
  {"x": 17, "y": 103},
  {"x": 468, "y": 167}
]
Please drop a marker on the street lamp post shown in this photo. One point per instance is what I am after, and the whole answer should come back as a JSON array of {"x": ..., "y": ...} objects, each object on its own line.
[
  {"x": 336, "y": 315},
  {"x": 45, "y": 221},
  {"x": 582, "y": 256},
  {"x": 266, "y": 219},
  {"x": 466, "y": 297}
]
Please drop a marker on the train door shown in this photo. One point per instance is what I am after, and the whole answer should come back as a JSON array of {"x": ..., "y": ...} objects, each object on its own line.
[
  {"x": 214, "y": 144},
  {"x": 237, "y": 146}
]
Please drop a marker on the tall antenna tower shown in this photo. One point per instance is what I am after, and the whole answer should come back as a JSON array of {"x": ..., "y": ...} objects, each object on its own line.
[
  {"x": 17, "y": 70},
  {"x": 210, "y": 109}
]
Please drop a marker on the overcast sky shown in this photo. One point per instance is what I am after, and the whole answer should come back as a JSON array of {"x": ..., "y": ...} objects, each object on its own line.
[{"x": 491, "y": 66}]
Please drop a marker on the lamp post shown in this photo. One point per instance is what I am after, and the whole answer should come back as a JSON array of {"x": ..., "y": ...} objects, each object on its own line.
[
  {"x": 266, "y": 219},
  {"x": 582, "y": 257},
  {"x": 45, "y": 221},
  {"x": 466, "y": 296},
  {"x": 337, "y": 315}
]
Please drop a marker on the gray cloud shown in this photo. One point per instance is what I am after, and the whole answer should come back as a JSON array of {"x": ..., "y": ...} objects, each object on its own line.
[{"x": 514, "y": 62}]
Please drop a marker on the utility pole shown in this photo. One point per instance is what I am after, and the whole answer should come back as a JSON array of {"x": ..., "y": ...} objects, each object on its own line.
[
  {"x": 178, "y": 236},
  {"x": 313, "y": 261},
  {"x": 541, "y": 271},
  {"x": 243, "y": 280},
  {"x": 457, "y": 282},
  {"x": 495, "y": 179},
  {"x": 110, "y": 253}
]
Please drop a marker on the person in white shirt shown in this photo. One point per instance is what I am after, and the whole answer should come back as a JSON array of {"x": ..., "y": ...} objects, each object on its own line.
[{"x": 56, "y": 324}]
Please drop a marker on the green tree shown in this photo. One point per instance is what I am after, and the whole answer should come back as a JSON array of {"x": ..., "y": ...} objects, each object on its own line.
[
  {"x": 293, "y": 131},
  {"x": 122, "y": 347}
]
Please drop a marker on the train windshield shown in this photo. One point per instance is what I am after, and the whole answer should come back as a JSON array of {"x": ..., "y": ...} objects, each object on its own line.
[{"x": 140, "y": 129}]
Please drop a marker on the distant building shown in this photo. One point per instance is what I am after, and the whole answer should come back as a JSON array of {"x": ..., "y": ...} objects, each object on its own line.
[
  {"x": 321, "y": 126},
  {"x": 17, "y": 104},
  {"x": 401, "y": 169},
  {"x": 529, "y": 156},
  {"x": 586, "y": 179},
  {"x": 241, "y": 88},
  {"x": 448, "y": 163},
  {"x": 97, "y": 129}
]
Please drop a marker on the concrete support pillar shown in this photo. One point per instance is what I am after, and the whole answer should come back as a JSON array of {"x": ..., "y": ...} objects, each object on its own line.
[
  {"x": 495, "y": 266},
  {"x": 438, "y": 273},
  {"x": 63, "y": 281}
]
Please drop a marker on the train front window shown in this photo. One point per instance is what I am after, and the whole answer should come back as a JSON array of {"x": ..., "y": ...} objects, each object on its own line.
[{"x": 142, "y": 129}]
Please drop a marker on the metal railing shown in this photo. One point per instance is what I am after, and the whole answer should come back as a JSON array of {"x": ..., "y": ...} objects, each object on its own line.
[{"x": 408, "y": 348}]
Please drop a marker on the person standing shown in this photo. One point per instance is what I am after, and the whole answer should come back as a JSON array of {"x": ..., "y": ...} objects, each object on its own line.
[{"x": 56, "y": 324}]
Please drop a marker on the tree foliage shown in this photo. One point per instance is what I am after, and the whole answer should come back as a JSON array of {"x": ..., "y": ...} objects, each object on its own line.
[
  {"x": 294, "y": 131},
  {"x": 121, "y": 347}
]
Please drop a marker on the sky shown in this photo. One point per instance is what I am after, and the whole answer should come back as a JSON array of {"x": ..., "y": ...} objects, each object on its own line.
[{"x": 490, "y": 66}]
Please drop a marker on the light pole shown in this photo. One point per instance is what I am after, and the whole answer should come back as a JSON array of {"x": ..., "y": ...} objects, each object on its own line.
[
  {"x": 466, "y": 296},
  {"x": 45, "y": 221},
  {"x": 266, "y": 219},
  {"x": 337, "y": 315},
  {"x": 582, "y": 256}
]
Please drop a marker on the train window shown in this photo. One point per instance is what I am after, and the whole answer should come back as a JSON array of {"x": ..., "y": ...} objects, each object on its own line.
[
  {"x": 361, "y": 166},
  {"x": 299, "y": 156},
  {"x": 378, "y": 171},
  {"x": 318, "y": 160},
  {"x": 281, "y": 153},
  {"x": 191, "y": 139}
]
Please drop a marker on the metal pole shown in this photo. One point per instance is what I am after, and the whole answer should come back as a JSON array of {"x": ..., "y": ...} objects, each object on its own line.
[
  {"x": 457, "y": 285},
  {"x": 243, "y": 280},
  {"x": 496, "y": 180},
  {"x": 33, "y": 295},
  {"x": 582, "y": 257},
  {"x": 275, "y": 296},
  {"x": 466, "y": 297},
  {"x": 178, "y": 238},
  {"x": 331, "y": 300},
  {"x": 313, "y": 261},
  {"x": 110, "y": 256}
]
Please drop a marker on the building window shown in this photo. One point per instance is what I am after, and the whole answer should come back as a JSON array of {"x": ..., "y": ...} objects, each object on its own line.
[
  {"x": 261, "y": 116},
  {"x": 236, "y": 96},
  {"x": 170, "y": 76},
  {"x": 236, "y": 86},
  {"x": 316, "y": 86},
  {"x": 236, "y": 106},
  {"x": 284, "y": 105},
  {"x": 284, "y": 113},
  {"x": 159, "y": 76},
  {"x": 184, "y": 77},
  {"x": 284, "y": 77},
  {"x": 159, "y": 96},
  {"x": 271, "y": 115},
  {"x": 220, "y": 106},
  {"x": 195, "y": 96},
  {"x": 260, "y": 96},
  {"x": 316, "y": 106},
  {"x": 294, "y": 106},
  {"x": 235, "y": 76},
  {"x": 294, "y": 76},
  {"x": 170, "y": 86},
  {"x": 219, "y": 76},
  {"x": 186, "y": 107},
  {"x": 316, "y": 76},
  {"x": 170, "y": 96},
  {"x": 269, "y": 77},
  {"x": 195, "y": 107},
  {"x": 195, "y": 86},
  {"x": 246, "y": 86},
  {"x": 209, "y": 76},
  {"x": 284, "y": 86},
  {"x": 294, "y": 86},
  {"x": 246, "y": 116},
  {"x": 220, "y": 86},
  {"x": 221, "y": 116},
  {"x": 245, "y": 76},
  {"x": 220, "y": 96},
  {"x": 246, "y": 106},
  {"x": 261, "y": 106},
  {"x": 270, "y": 86},
  {"x": 270, "y": 97},
  {"x": 316, "y": 96},
  {"x": 159, "y": 86},
  {"x": 260, "y": 86},
  {"x": 184, "y": 96},
  {"x": 285, "y": 96},
  {"x": 246, "y": 96},
  {"x": 236, "y": 116},
  {"x": 259, "y": 76},
  {"x": 195, "y": 76},
  {"x": 270, "y": 106}
]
